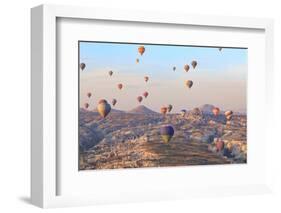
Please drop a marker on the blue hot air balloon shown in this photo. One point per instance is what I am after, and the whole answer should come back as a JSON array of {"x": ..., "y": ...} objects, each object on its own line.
[{"x": 167, "y": 133}]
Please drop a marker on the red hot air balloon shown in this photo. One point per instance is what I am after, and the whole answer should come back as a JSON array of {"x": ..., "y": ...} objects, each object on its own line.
[
  {"x": 186, "y": 67},
  {"x": 141, "y": 50},
  {"x": 194, "y": 64},
  {"x": 216, "y": 111},
  {"x": 82, "y": 66},
  {"x": 145, "y": 94},
  {"x": 139, "y": 98},
  {"x": 146, "y": 78},
  {"x": 86, "y": 105},
  {"x": 114, "y": 101},
  {"x": 167, "y": 133},
  {"x": 89, "y": 94},
  {"x": 103, "y": 108},
  {"x": 120, "y": 86}
]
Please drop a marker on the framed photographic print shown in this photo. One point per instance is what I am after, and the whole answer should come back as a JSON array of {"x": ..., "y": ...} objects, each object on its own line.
[{"x": 124, "y": 104}]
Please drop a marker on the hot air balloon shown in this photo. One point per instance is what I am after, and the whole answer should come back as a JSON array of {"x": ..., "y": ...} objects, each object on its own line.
[
  {"x": 220, "y": 49},
  {"x": 141, "y": 49},
  {"x": 186, "y": 67},
  {"x": 103, "y": 108},
  {"x": 169, "y": 107},
  {"x": 137, "y": 60},
  {"x": 216, "y": 111},
  {"x": 146, "y": 78},
  {"x": 228, "y": 113},
  {"x": 167, "y": 133},
  {"x": 189, "y": 83},
  {"x": 174, "y": 68},
  {"x": 110, "y": 73},
  {"x": 163, "y": 110},
  {"x": 183, "y": 112},
  {"x": 220, "y": 145},
  {"x": 82, "y": 66},
  {"x": 114, "y": 101},
  {"x": 145, "y": 94},
  {"x": 86, "y": 105},
  {"x": 194, "y": 64},
  {"x": 120, "y": 86},
  {"x": 89, "y": 94},
  {"x": 139, "y": 98}
]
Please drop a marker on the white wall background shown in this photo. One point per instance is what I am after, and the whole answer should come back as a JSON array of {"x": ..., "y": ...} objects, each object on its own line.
[{"x": 15, "y": 98}]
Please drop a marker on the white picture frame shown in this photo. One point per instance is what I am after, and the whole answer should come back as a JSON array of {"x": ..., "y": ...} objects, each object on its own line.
[{"x": 44, "y": 155}]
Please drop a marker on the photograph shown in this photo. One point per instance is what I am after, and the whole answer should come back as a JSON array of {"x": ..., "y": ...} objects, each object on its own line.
[{"x": 147, "y": 105}]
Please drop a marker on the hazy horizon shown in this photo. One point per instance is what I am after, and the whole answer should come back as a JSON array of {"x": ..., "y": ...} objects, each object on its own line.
[{"x": 220, "y": 77}]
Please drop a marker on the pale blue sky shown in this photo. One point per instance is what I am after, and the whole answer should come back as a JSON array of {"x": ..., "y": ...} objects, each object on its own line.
[{"x": 219, "y": 78}]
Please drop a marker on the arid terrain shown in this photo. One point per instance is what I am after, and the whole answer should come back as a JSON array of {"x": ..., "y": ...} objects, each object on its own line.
[{"x": 132, "y": 139}]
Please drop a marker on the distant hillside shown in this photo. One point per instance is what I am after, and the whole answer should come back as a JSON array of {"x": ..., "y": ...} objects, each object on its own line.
[{"x": 142, "y": 110}]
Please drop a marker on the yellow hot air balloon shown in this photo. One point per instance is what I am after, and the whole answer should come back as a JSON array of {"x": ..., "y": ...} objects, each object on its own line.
[
  {"x": 189, "y": 83},
  {"x": 103, "y": 108}
]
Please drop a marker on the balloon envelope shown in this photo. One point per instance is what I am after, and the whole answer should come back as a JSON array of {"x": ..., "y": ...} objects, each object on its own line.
[
  {"x": 189, "y": 83},
  {"x": 167, "y": 133},
  {"x": 114, "y": 101},
  {"x": 110, "y": 72},
  {"x": 194, "y": 64},
  {"x": 145, "y": 94},
  {"x": 104, "y": 109},
  {"x": 174, "y": 68},
  {"x": 141, "y": 50},
  {"x": 163, "y": 110},
  {"x": 170, "y": 107},
  {"x": 139, "y": 98},
  {"x": 146, "y": 78},
  {"x": 89, "y": 94},
  {"x": 137, "y": 60},
  {"x": 82, "y": 66},
  {"x": 86, "y": 105},
  {"x": 186, "y": 67},
  {"x": 120, "y": 86}
]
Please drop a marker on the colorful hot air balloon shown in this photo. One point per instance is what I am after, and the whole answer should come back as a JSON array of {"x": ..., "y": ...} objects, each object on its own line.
[
  {"x": 137, "y": 60},
  {"x": 86, "y": 105},
  {"x": 183, "y": 112},
  {"x": 139, "y": 98},
  {"x": 219, "y": 145},
  {"x": 114, "y": 101},
  {"x": 110, "y": 73},
  {"x": 216, "y": 111},
  {"x": 145, "y": 94},
  {"x": 167, "y": 133},
  {"x": 146, "y": 78},
  {"x": 186, "y": 67},
  {"x": 174, "y": 68},
  {"x": 141, "y": 50},
  {"x": 103, "y": 108},
  {"x": 189, "y": 83},
  {"x": 89, "y": 94},
  {"x": 163, "y": 110},
  {"x": 169, "y": 107},
  {"x": 120, "y": 86},
  {"x": 194, "y": 64},
  {"x": 82, "y": 66}
]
